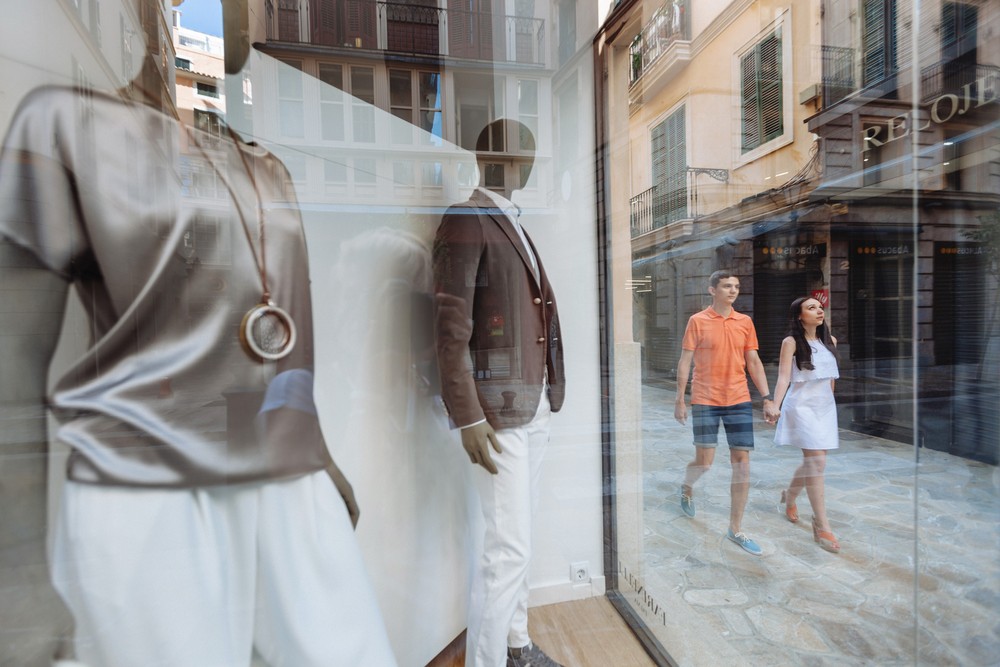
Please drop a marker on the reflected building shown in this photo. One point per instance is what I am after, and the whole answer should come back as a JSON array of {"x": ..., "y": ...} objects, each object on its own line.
[
  {"x": 713, "y": 150},
  {"x": 914, "y": 274},
  {"x": 380, "y": 95},
  {"x": 800, "y": 180}
]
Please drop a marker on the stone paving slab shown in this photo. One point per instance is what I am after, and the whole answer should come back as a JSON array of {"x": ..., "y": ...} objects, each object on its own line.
[{"x": 919, "y": 565}]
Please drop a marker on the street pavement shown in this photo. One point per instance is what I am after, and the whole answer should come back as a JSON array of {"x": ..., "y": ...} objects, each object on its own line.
[{"x": 917, "y": 580}]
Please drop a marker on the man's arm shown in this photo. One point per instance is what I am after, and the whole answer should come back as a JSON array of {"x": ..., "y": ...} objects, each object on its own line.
[
  {"x": 683, "y": 373},
  {"x": 755, "y": 367},
  {"x": 35, "y": 624},
  {"x": 457, "y": 250}
]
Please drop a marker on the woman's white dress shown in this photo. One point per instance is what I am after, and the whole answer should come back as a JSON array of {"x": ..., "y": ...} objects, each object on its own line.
[{"x": 809, "y": 413}]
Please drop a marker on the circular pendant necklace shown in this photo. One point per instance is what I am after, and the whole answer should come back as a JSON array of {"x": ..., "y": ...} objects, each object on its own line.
[{"x": 267, "y": 332}]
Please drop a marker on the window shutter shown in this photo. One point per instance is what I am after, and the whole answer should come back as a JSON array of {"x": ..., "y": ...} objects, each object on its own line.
[
  {"x": 360, "y": 23},
  {"x": 748, "y": 101},
  {"x": 669, "y": 153},
  {"x": 878, "y": 35},
  {"x": 769, "y": 81}
]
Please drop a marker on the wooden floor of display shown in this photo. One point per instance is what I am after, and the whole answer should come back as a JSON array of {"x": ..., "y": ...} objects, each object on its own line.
[{"x": 584, "y": 633}]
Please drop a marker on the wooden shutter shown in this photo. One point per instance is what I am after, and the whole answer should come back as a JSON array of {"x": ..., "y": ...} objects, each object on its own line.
[
  {"x": 323, "y": 22},
  {"x": 669, "y": 153},
  {"x": 769, "y": 83},
  {"x": 360, "y": 23},
  {"x": 878, "y": 36},
  {"x": 748, "y": 101},
  {"x": 761, "y": 94}
]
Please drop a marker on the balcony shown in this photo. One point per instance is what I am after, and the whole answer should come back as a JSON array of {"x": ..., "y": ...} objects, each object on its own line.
[
  {"x": 674, "y": 203},
  {"x": 659, "y": 206},
  {"x": 661, "y": 41},
  {"x": 838, "y": 74},
  {"x": 410, "y": 27},
  {"x": 956, "y": 77}
]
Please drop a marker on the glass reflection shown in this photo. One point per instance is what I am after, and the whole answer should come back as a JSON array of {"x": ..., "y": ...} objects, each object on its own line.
[{"x": 815, "y": 153}]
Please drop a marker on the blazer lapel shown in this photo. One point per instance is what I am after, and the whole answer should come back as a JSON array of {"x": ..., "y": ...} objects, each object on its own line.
[{"x": 501, "y": 219}]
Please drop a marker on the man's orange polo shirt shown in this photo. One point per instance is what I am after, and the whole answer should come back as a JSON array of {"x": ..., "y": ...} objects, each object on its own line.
[{"x": 719, "y": 345}]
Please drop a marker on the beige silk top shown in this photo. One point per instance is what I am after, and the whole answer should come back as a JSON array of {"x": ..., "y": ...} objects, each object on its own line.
[{"x": 134, "y": 210}]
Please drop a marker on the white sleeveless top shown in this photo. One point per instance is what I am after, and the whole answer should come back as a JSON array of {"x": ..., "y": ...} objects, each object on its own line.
[{"x": 824, "y": 365}]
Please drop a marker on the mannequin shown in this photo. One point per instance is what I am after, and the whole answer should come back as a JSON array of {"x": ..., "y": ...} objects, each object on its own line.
[
  {"x": 201, "y": 497},
  {"x": 501, "y": 378}
]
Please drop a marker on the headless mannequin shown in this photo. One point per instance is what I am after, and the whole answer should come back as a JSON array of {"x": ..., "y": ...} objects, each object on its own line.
[
  {"x": 479, "y": 438},
  {"x": 39, "y": 623}
]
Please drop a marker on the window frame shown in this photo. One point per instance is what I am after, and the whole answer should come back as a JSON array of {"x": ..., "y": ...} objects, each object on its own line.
[
  {"x": 676, "y": 114},
  {"x": 782, "y": 26}
]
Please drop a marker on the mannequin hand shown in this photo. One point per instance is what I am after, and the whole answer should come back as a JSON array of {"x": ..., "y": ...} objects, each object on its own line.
[
  {"x": 346, "y": 492},
  {"x": 477, "y": 441},
  {"x": 771, "y": 413},
  {"x": 680, "y": 411}
]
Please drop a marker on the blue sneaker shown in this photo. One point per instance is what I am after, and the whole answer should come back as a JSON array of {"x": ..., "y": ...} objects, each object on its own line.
[
  {"x": 687, "y": 504},
  {"x": 745, "y": 542}
]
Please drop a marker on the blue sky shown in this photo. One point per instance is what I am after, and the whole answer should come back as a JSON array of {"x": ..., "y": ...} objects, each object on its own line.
[{"x": 203, "y": 16}]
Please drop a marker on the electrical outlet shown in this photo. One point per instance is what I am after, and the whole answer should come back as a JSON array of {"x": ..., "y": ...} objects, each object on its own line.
[{"x": 579, "y": 572}]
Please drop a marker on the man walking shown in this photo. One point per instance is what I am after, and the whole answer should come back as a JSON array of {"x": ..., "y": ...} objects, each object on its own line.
[
  {"x": 500, "y": 353},
  {"x": 722, "y": 343}
]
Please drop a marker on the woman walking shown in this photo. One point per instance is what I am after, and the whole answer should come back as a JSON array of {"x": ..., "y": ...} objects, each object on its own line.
[{"x": 807, "y": 370}]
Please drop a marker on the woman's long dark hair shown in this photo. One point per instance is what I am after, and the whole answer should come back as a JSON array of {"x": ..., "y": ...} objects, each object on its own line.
[{"x": 803, "y": 353}]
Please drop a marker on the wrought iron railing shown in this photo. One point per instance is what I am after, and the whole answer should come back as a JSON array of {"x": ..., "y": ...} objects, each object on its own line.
[
  {"x": 395, "y": 25},
  {"x": 660, "y": 205},
  {"x": 959, "y": 78},
  {"x": 667, "y": 25},
  {"x": 677, "y": 198},
  {"x": 411, "y": 28},
  {"x": 838, "y": 73}
]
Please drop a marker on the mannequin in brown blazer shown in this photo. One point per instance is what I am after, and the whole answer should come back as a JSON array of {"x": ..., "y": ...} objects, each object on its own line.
[{"x": 500, "y": 355}]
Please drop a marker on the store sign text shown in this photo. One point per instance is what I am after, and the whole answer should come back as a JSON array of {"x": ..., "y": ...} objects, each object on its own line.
[
  {"x": 792, "y": 251},
  {"x": 884, "y": 250},
  {"x": 962, "y": 250},
  {"x": 942, "y": 109},
  {"x": 647, "y": 603}
]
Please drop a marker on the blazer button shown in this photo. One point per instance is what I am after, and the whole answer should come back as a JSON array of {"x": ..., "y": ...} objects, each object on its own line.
[
  {"x": 541, "y": 339},
  {"x": 537, "y": 301}
]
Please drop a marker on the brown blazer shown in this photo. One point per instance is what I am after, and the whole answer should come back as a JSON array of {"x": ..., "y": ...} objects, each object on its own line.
[{"x": 493, "y": 369}]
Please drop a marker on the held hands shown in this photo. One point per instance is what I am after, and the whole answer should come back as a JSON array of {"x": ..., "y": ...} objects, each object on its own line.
[
  {"x": 477, "y": 440},
  {"x": 771, "y": 412}
]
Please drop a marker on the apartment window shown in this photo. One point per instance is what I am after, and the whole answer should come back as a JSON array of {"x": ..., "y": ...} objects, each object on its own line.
[
  {"x": 415, "y": 98},
  {"x": 480, "y": 100},
  {"x": 331, "y": 102},
  {"x": 527, "y": 112},
  {"x": 291, "y": 106},
  {"x": 959, "y": 27},
  {"x": 182, "y": 63},
  {"x": 669, "y": 153},
  {"x": 567, "y": 30},
  {"x": 760, "y": 92},
  {"x": 878, "y": 40},
  {"x": 334, "y": 177},
  {"x": 365, "y": 171},
  {"x": 207, "y": 89},
  {"x": 431, "y": 174},
  {"x": 363, "y": 104},
  {"x": 208, "y": 121}
]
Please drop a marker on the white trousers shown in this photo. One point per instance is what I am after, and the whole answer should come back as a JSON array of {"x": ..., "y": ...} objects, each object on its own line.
[
  {"x": 208, "y": 577},
  {"x": 498, "y": 608}
]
